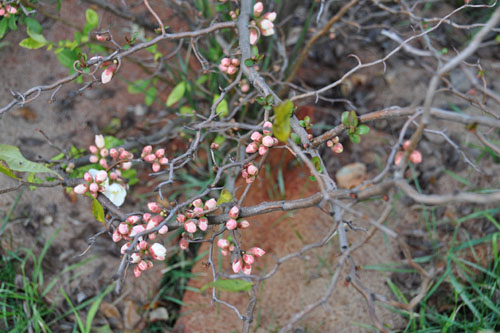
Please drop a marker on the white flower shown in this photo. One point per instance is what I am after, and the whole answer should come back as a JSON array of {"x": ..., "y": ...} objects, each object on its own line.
[
  {"x": 158, "y": 251},
  {"x": 116, "y": 193},
  {"x": 99, "y": 141}
]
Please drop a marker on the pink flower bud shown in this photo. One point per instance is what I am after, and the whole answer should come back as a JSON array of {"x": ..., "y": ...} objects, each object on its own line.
[
  {"x": 223, "y": 68},
  {"x": 406, "y": 144},
  {"x": 234, "y": 212},
  {"x": 268, "y": 125},
  {"x": 163, "y": 230},
  {"x": 223, "y": 243},
  {"x": 126, "y": 165},
  {"x": 150, "y": 225},
  {"x": 183, "y": 244},
  {"x": 2, "y": 12},
  {"x": 268, "y": 141},
  {"x": 150, "y": 158},
  {"x": 231, "y": 70},
  {"x": 133, "y": 219},
  {"x": 398, "y": 158},
  {"x": 254, "y": 37},
  {"x": 101, "y": 176},
  {"x": 156, "y": 167},
  {"x": 231, "y": 248},
  {"x": 142, "y": 265},
  {"x": 416, "y": 157},
  {"x": 236, "y": 265},
  {"x": 225, "y": 62},
  {"x": 137, "y": 271},
  {"x": 158, "y": 251},
  {"x": 224, "y": 252},
  {"x": 243, "y": 224},
  {"x": 81, "y": 188},
  {"x": 233, "y": 15},
  {"x": 336, "y": 139},
  {"x": 146, "y": 217},
  {"x": 117, "y": 236},
  {"x": 146, "y": 151},
  {"x": 135, "y": 258},
  {"x": 266, "y": 24},
  {"x": 150, "y": 264},
  {"x": 142, "y": 245},
  {"x": 93, "y": 149},
  {"x": 113, "y": 175},
  {"x": 250, "y": 179},
  {"x": 181, "y": 218},
  {"x": 235, "y": 62},
  {"x": 214, "y": 146},
  {"x": 198, "y": 211},
  {"x": 103, "y": 163},
  {"x": 252, "y": 170},
  {"x": 271, "y": 16},
  {"x": 338, "y": 148},
  {"x": 258, "y": 8},
  {"x": 257, "y": 251},
  {"x": 247, "y": 269},
  {"x": 107, "y": 74},
  {"x": 244, "y": 173},
  {"x": 252, "y": 148},
  {"x": 190, "y": 226},
  {"x": 11, "y": 10},
  {"x": 157, "y": 219},
  {"x": 203, "y": 224},
  {"x": 248, "y": 259},
  {"x": 329, "y": 143},
  {"x": 104, "y": 152},
  {"x": 164, "y": 161},
  {"x": 211, "y": 204},
  {"x": 99, "y": 141},
  {"x": 100, "y": 37},
  {"x": 136, "y": 229},
  {"x": 94, "y": 187},
  {"x": 262, "y": 150},
  {"x": 256, "y": 136},
  {"x": 231, "y": 224},
  {"x": 93, "y": 159},
  {"x": 268, "y": 32},
  {"x": 245, "y": 87},
  {"x": 123, "y": 228},
  {"x": 154, "y": 207},
  {"x": 152, "y": 236},
  {"x": 124, "y": 248},
  {"x": 124, "y": 155},
  {"x": 160, "y": 153},
  {"x": 198, "y": 203}
]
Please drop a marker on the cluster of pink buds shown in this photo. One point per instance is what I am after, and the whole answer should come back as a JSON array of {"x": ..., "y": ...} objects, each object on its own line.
[
  {"x": 194, "y": 219},
  {"x": 7, "y": 10},
  {"x": 155, "y": 251},
  {"x": 157, "y": 159},
  {"x": 263, "y": 22},
  {"x": 415, "y": 156},
  {"x": 229, "y": 66},
  {"x": 250, "y": 172},
  {"x": 100, "y": 155},
  {"x": 93, "y": 184},
  {"x": 335, "y": 145},
  {"x": 261, "y": 143},
  {"x": 232, "y": 223},
  {"x": 247, "y": 259}
]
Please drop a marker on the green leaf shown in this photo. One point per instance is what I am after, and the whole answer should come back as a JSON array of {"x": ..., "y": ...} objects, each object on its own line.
[
  {"x": 222, "y": 109},
  {"x": 7, "y": 171},
  {"x": 138, "y": 86},
  {"x": 362, "y": 130},
  {"x": 131, "y": 175},
  {"x": 33, "y": 179},
  {"x": 12, "y": 22},
  {"x": 295, "y": 138},
  {"x": 150, "y": 96},
  {"x": 16, "y": 161},
  {"x": 98, "y": 211},
  {"x": 33, "y": 25},
  {"x": 67, "y": 57},
  {"x": 202, "y": 79},
  {"x": 186, "y": 110},
  {"x": 352, "y": 118},
  {"x": 232, "y": 285},
  {"x": 3, "y": 27},
  {"x": 249, "y": 62},
  {"x": 32, "y": 44},
  {"x": 317, "y": 163},
  {"x": 219, "y": 139},
  {"x": 92, "y": 18},
  {"x": 225, "y": 196},
  {"x": 176, "y": 94},
  {"x": 345, "y": 117},
  {"x": 355, "y": 138},
  {"x": 111, "y": 142},
  {"x": 95, "y": 307},
  {"x": 281, "y": 126}
]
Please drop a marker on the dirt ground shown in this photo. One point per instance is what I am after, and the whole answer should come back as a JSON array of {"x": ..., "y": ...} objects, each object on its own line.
[{"x": 73, "y": 120}]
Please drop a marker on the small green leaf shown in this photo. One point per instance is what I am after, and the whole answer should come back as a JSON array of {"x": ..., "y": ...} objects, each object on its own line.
[
  {"x": 111, "y": 141},
  {"x": 345, "y": 118},
  {"x": 98, "y": 211},
  {"x": 30, "y": 43},
  {"x": 176, "y": 94},
  {"x": 225, "y": 196},
  {"x": 3, "y": 27},
  {"x": 131, "y": 175},
  {"x": 16, "y": 161},
  {"x": 150, "y": 96},
  {"x": 92, "y": 18},
  {"x": 317, "y": 163},
  {"x": 249, "y": 62},
  {"x": 362, "y": 130},
  {"x": 295, "y": 138},
  {"x": 353, "y": 118},
  {"x": 12, "y": 22},
  {"x": 202, "y": 79},
  {"x": 138, "y": 86},
  {"x": 232, "y": 285},
  {"x": 32, "y": 178},
  {"x": 67, "y": 57},
  {"x": 219, "y": 139},
  {"x": 222, "y": 109},
  {"x": 186, "y": 110},
  {"x": 33, "y": 25},
  {"x": 6, "y": 171},
  {"x": 355, "y": 138},
  {"x": 281, "y": 126}
]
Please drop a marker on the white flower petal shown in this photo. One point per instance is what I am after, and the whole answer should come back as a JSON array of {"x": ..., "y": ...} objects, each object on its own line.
[{"x": 115, "y": 193}]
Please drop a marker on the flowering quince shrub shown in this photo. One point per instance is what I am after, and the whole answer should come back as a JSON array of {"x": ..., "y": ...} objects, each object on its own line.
[{"x": 224, "y": 118}]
